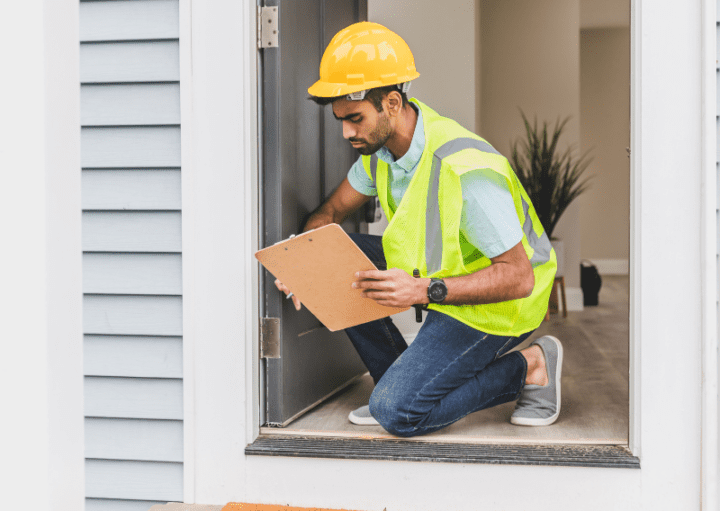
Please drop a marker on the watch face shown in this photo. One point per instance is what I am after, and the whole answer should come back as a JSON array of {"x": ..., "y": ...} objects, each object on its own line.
[{"x": 437, "y": 291}]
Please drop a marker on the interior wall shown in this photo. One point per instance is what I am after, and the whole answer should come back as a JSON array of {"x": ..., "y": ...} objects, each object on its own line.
[
  {"x": 605, "y": 129},
  {"x": 442, "y": 37},
  {"x": 531, "y": 61}
]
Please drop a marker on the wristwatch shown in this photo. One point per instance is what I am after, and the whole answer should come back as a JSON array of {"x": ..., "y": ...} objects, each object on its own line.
[{"x": 437, "y": 290}]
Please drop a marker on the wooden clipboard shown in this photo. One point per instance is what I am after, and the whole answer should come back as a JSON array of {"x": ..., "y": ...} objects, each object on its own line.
[{"x": 319, "y": 268}]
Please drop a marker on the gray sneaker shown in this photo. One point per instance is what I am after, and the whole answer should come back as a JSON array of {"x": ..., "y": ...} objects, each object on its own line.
[
  {"x": 539, "y": 405},
  {"x": 362, "y": 417}
]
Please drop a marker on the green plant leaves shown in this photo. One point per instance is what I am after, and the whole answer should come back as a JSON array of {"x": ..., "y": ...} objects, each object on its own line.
[{"x": 552, "y": 179}]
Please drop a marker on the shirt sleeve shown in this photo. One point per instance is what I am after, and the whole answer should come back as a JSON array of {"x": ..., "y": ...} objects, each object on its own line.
[
  {"x": 489, "y": 221},
  {"x": 358, "y": 179}
]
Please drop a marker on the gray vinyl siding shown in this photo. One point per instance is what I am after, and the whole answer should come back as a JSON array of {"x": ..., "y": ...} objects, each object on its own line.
[{"x": 132, "y": 260}]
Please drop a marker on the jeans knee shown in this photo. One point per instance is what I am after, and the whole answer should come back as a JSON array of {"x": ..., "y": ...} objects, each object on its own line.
[{"x": 392, "y": 415}]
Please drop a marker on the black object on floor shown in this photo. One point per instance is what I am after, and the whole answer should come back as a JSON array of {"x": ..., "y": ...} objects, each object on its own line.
[{"x": 590, "y": 282}]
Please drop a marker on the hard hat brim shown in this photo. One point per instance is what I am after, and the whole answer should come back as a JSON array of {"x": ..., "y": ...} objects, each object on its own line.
[{"x": 323, "y": 89}]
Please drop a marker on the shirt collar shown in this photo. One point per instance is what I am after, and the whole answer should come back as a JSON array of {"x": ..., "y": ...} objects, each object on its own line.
[{"x": 410, "y": 159}]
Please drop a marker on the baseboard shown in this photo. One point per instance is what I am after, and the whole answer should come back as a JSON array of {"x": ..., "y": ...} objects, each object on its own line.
[{"x": 612, "y": 266}]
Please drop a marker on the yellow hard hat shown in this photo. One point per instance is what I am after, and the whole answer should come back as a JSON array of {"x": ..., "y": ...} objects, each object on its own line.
[{"x": 363, "y": 56}]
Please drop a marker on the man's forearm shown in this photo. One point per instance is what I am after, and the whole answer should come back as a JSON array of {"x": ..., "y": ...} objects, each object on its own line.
[
  {"x": 324, "y": 215},
  {"x": 496, "y": 283}
]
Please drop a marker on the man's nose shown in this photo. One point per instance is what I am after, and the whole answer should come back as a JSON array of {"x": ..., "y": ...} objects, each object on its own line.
[{"x": 348, "y": 130}]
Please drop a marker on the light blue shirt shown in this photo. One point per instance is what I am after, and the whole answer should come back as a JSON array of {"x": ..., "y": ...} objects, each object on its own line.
[{"x": 488, "y": 220}]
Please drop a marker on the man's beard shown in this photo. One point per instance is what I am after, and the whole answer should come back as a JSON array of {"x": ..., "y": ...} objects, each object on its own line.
[{"x": 376, "y": 138}]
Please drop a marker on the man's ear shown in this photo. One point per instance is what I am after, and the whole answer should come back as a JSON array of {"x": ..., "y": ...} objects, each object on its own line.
[{"x": 393, "y": 103}]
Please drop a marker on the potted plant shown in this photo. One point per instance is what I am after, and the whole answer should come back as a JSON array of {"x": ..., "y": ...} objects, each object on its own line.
[{"x": 552, "y": 178}]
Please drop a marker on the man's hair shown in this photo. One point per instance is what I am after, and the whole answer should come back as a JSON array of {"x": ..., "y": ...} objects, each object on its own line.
[{"x": 374, "y": 96}]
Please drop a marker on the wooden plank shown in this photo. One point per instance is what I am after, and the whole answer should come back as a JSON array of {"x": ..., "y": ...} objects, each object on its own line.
[
  {"x": 132, "y": 104},
  {"x": 146, "y": 231},
  {"x": 152, "y": 61},
  {"x": 120, "y": 20},
  {"x": 151, "y": 189},
  {"x": 132, "y": 315},
  {"x": 157, "y": 146},
  {"x": 132, "y": 274},
  {"x": 133, "y": 398},
  {"x": 134, "y": 480},
  {"x": 131, "y": 356},
  {"x": 120, "y": 505},
  {"x": 134, "y": 439}
]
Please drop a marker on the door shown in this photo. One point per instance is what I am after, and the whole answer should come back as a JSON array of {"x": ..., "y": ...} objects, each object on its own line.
[{"x": 304, "y": 158}]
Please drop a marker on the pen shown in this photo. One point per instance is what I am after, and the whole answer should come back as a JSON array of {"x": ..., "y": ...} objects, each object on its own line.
[{"x": 418, "y": 308}]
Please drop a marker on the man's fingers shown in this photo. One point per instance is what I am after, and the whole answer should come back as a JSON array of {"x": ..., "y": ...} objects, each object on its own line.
[
  {"x": 284, "y": 289},
  {"x": 374, "y": 284},
  {"x": 371, "y": 274}
]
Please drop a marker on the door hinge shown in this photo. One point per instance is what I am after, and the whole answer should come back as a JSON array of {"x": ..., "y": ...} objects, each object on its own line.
[
  {"x": 268, "y": 31},
  {"x": 269, "y": 337}
]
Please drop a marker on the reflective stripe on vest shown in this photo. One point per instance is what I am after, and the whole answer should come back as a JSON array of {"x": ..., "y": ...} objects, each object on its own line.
[{"x": 433, "y": 230}]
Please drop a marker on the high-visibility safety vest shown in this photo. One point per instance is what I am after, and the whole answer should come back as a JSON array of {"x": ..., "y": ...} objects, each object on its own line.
[{"x": 424, "y": 231}]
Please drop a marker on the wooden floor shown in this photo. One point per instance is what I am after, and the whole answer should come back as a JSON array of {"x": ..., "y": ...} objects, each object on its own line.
[{"x": 594, "y": 388}]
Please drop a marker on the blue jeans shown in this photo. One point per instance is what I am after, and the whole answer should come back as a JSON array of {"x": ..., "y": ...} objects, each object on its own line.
[{"x": 449, "y": 370}]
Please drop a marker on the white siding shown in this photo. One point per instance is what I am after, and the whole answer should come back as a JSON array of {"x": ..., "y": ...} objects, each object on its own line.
[
  {"x": 143, "y": 274},
  {"x": 155, "y": 61},
  {"x": 117, "y": 21},
  {"x": 134, "y": 439},
  {"x": 133, "y": 356},
  {"x": 133, "y": 479},
  {"x": 131, "y": 147},
  {"x": 130, "y": 104},
  {"x": 132, "y": 265},
  {"x": 114, "y": 231},
  {"x": 137, "y": 189}
]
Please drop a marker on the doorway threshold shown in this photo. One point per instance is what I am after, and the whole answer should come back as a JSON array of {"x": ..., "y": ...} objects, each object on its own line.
[{"x": 392, "y": 449}]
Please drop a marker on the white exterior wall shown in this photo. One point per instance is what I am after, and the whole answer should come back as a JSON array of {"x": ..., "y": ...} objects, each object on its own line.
[
  {"x": 666, "y": 306},
  {"x": 41, "y": 384}
]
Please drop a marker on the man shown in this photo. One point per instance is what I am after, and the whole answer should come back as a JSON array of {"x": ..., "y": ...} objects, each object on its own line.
[{"x": 460, "y": 219}]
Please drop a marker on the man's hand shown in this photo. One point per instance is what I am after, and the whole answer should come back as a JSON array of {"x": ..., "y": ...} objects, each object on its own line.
[
  {"x": 295, "y": 299},
  {"x": 393, "y": 288}
]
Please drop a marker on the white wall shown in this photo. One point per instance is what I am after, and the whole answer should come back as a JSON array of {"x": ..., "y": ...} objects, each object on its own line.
[
  {"x": 442, "y": 37},
  {"x": 40, "y": 310},
  {"x": 605, "y": 130},
  {"x": 604, "y": 13},
  {"x": 531, "y": 62}
]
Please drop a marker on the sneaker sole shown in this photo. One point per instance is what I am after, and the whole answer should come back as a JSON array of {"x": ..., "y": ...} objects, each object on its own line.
[
  {"x": 526, "y": 421},
  {"x": 362, "y": 421}
]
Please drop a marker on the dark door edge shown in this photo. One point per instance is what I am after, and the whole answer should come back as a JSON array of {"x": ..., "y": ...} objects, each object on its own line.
[{"x": 573, "y": 455}]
